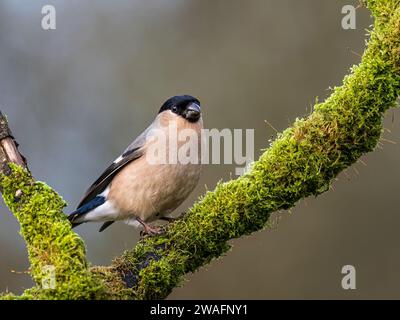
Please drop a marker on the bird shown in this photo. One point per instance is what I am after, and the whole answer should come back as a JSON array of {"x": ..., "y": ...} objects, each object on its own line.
[{"x": 140, "y": 187}]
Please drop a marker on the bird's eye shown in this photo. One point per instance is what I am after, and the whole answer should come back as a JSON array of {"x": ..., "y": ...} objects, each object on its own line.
[{"x": 174, "y": 109}]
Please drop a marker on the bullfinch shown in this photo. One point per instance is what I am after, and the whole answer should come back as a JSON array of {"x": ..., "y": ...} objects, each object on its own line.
[{"x": 149, "y": 180}]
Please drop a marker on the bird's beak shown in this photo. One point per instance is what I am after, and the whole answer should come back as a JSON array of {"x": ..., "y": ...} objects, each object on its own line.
[{"x": 193, "y": 112}]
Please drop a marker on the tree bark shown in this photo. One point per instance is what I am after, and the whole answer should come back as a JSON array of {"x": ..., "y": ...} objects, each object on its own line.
[
  {"x": 8, "y": 147},
  {"x": 302, "y": 161}
]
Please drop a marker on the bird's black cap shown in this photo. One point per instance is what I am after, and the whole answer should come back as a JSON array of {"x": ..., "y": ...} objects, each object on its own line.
[{"x": 179, "y": 103}]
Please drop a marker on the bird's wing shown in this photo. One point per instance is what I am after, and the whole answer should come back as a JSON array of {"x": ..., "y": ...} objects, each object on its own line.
[
  {"x": 133, "y": 152},
  {"x": 104, "y": 180}
]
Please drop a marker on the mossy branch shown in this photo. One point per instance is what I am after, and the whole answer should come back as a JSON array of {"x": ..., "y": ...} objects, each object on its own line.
[{"x": 302, "y": 161}]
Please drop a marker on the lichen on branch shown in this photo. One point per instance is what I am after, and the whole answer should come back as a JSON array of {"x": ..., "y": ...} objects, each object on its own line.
[{"x": 302, "y": 161}]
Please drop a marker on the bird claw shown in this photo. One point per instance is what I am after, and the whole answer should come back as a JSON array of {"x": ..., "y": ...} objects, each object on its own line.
[{"x": 151, "y": 231}]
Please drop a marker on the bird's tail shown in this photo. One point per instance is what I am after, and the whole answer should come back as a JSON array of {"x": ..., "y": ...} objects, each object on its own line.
[
  {"x": 78, "y": 216},
  {"x": 72, "y": 218}
]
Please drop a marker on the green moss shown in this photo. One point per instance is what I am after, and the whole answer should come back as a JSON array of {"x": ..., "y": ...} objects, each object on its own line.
[
  {"x": 113, "y": 283},
  {"x": 50, "y": 241}
]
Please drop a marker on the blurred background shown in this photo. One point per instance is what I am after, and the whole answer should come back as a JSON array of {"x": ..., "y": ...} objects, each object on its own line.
[{"x": 76, "y": 96}]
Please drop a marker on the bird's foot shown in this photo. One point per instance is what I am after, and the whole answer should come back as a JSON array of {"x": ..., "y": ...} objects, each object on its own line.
[{"x": 149, "y": 229}]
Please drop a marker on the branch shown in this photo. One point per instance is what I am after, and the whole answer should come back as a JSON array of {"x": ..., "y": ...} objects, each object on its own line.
[
  {"x": 9, "y": 152},
  {"x": 302, "y": 161},
  {"x": 50, "y": 241}
]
